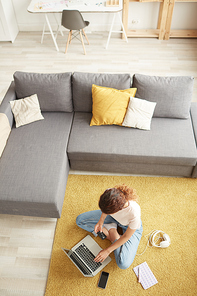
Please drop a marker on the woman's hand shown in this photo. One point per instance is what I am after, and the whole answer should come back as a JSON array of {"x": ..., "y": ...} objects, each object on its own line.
[
  {"x": 98, "y": 227},
  {"x": 102, "y": 255}
]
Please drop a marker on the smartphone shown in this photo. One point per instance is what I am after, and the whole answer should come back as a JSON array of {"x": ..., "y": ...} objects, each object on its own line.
[{"x": 103, "y": 280}]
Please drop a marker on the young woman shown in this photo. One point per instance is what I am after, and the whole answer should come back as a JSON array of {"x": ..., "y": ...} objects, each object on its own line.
[{"x": 118, "y": 207}]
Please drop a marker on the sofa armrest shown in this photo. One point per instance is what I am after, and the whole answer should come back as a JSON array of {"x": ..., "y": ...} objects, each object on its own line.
[
  {"x": 5, "y": 104},
  {"x": 194, "y": 118},
  {"x": 194, "y": 122}
]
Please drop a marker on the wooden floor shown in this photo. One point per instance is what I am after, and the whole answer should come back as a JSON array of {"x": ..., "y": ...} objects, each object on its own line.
[
  {"x": 26, "y": 242},
  {"x": 145, "y": 56},
  {"x": 25, "y": 250}
]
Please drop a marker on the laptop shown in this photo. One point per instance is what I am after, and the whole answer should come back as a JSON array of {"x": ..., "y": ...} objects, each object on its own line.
[{"x": 83, "y": 254}]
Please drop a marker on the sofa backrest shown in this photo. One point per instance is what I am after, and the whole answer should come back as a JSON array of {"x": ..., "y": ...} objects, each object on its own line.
[
  {"x": 53, "y": 90},
  {"x": 82, "y": 87},
  {"x": 173, "y": 94}
]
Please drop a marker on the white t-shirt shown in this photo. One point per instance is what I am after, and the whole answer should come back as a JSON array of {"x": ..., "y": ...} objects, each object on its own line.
[{"x": 130, "y": 215}]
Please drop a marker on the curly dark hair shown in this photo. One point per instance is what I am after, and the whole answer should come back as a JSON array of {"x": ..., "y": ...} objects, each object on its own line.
[{"x": 114, "y": 199}]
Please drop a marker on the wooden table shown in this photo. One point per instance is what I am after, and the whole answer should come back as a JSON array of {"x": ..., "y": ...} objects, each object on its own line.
[{"x": 163, "y": 30}]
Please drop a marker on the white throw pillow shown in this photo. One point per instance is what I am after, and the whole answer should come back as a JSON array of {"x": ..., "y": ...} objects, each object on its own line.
[
  {"x": 139, "y": 114},
  {"x": 26, "y": 110}
]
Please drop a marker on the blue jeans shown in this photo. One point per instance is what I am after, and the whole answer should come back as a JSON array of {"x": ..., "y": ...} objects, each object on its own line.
[{"x": 125, "y": 254}]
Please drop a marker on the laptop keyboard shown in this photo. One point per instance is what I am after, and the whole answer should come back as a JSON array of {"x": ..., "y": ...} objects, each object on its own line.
[
  {"x": 80, "y": 264},
  {"x": 87, "y": 256}
]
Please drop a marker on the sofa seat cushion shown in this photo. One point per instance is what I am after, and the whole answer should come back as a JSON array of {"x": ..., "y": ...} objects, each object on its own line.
[
  {"x": 170, "y": 141},
  {"x": 33, "y": 167}
]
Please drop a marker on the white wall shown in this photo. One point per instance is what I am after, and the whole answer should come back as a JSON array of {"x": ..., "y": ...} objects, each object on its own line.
[
  {"x": 184, "y": 15},
  {"x": 146, "y": 15}
]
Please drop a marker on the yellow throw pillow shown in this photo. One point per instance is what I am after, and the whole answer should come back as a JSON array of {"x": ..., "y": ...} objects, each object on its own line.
[{"x": 109, "y": 105}]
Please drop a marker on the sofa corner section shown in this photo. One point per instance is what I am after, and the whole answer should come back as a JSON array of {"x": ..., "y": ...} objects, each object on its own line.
[{"x": 52, "y": 208}]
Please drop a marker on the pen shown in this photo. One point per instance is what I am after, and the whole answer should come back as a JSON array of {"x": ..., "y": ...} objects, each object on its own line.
[{"x": 139, "y": 274}]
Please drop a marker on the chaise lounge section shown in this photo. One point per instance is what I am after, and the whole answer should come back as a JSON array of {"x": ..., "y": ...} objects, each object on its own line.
[{"x": 34, "y": 165}]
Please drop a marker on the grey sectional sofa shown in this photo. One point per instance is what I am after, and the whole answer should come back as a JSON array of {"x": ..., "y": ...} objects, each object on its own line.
[{"x": 35, "y": 163}]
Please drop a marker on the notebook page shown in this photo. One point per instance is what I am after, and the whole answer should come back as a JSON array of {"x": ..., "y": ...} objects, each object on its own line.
[{"x": 147, "y": 278}]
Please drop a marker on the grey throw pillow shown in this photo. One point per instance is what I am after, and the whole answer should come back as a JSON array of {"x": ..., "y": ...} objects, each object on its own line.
[{"x": 173, "y": 95}]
